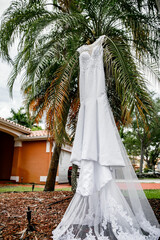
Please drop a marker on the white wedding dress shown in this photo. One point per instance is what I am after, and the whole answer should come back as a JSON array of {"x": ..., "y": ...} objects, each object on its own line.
[{"x": 109, "y": 203}]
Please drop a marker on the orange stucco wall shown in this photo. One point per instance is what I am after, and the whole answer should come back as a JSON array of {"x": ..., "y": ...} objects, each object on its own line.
[
  {"x": 16, "y": 161},
  {"x": 31, "y": 161}
]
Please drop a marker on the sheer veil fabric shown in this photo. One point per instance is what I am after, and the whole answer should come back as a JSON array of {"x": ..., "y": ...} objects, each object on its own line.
[{"x": 109, "y": 203}]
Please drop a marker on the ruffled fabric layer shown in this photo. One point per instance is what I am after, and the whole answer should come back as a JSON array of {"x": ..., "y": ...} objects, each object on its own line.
[
  {"x": 95, "y": 137},
  {"x": 104, "y": 215},
  {"x": 93, "y": 177}
]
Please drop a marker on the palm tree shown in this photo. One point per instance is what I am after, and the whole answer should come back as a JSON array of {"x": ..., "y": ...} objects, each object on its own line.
[{"x": 50, "y": 33}]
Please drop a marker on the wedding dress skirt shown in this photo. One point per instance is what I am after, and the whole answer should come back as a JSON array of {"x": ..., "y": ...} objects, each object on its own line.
[{"x": 109, "y": 203}]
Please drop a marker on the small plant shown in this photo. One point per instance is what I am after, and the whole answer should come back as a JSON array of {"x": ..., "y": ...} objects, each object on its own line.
[{"x": 146, "y": 170}]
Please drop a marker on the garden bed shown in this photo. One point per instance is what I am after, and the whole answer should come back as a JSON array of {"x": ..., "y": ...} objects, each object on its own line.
[{"x": 47, "y": 210}]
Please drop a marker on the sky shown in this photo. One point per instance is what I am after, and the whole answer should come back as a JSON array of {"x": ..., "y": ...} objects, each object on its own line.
[{"x": 6, "y": 102}]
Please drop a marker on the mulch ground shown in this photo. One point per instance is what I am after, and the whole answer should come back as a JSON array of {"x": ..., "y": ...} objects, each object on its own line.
[{"x": 47, "y": 210}]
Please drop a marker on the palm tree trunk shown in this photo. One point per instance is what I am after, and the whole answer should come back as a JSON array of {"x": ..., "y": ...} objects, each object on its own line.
[
  {"x": 52, "y": 173},
  {"x": 142, "y": 156},
  {"x": 74, "y": 178},
  {"x": 153, "y": 168},
  {"x": 158, "y": 6},
  {"x": 51, "y": 178}
]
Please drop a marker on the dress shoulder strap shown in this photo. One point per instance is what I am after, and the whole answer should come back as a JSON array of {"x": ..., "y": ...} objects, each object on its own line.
[
  {"x": 80, "y": 49},
  {"x": 99, "y": 41}
]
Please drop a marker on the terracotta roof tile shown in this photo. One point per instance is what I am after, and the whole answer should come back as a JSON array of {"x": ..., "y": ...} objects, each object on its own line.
[
  {"x": 28, "y": 132},
  {"x": 15, "y": 124},
  {"x": 38, "y": 133}
]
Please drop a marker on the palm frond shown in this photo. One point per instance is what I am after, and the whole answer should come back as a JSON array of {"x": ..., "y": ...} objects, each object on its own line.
[
  {"x": 130, "y": 86},
  {"x": 58, "y": 96}
]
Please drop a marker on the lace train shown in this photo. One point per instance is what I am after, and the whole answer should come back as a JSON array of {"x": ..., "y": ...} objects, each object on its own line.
[{"x": 105, "y": 215}]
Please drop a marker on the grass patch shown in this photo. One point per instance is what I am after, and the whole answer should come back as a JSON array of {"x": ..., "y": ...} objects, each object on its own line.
[
  {"x": 18, "y": 189},
  {"x": 151, "y": 194},
  {"x": 27, "y": 188},
  {"x": 64, "y": 189}
]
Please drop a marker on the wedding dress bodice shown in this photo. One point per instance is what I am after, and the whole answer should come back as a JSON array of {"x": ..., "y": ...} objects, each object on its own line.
[{"x": 91, "y": 61}]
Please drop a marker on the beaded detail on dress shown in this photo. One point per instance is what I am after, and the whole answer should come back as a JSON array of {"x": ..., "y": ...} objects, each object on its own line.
[{"x": 93, "y": 60}]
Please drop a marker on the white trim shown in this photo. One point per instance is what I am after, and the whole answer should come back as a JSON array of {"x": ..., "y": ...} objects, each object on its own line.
[
  {"x": 43, "y": 178},
  {"x": 47, "y": 146},
  {"x": 10, "y": 131},
  {"x": 15, "y": 178},
  {"x": 67, "y": 148},
  {"x": 53, "y": 147},
  {"x": 33, "y": 138},
  {"x": 17, "y": 143}
]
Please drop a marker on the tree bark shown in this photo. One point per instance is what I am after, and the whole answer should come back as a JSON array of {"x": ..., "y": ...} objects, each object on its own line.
[
  {"x": 147, "y": 159},
  {"x": 153, "y": 168},
  {"x": 51, "y": 178},
  {"x": 74, "y": 178},
  {"x": 158, "y": 6},
  {"x": 142, "y": 156}
]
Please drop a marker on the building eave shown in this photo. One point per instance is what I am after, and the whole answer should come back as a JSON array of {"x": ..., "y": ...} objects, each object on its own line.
[
  {"x": 13, "y": 128},
  {"x": 25, "y": 138}
]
